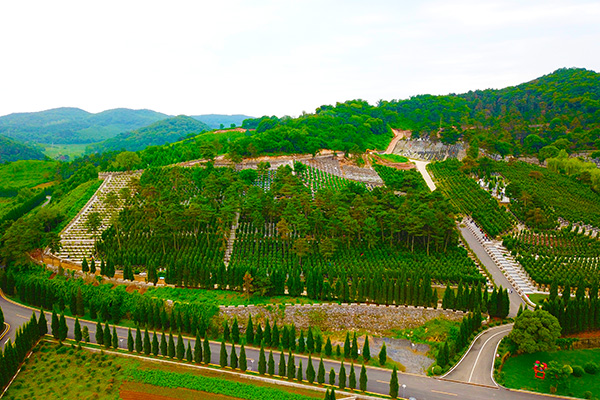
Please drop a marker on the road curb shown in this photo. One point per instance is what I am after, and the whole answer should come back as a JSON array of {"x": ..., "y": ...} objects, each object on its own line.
[{"x": 6, "y": 329}]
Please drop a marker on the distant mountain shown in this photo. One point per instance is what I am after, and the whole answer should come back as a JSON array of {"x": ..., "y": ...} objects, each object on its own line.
[
  {"x": 215, "y": 120},
  {"x": 12, "y": 150},
  {"x": 73, "y": 125},
  {"x": 161, "y": 132}
]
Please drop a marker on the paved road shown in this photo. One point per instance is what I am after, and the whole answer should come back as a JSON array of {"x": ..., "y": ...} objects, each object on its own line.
[
  {"x": 422, "y": 168},
  {"x": 418, "y": 386},
  {"x": 497, "y": 275}
]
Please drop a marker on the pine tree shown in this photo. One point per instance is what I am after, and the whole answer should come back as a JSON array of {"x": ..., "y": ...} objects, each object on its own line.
[
  {"x": 285, "y": 340},
  {"x": 223, "y": 357},
  {"x": 366, "y": 353},
  {"x": 299, "y": 372},
  {"x": 129, "y": 341},
  {"x": 310, "y": 370},
  {"x": 163, "y": 345},
  {"x": 250, "y": 331},
  {"x": 42, "y": 323},
  {"x": 394, "y": 384},
  {"x": 55, "y": 325},
  {"x": 382, "y": 355},
  {"x": 352, "y": 378},
  {"x": 267, "y": 334},
  {"x": 77, "y": 330},
  {"x": 115, "y": 338},
  {"x": 233, "y": 360},
  {"x": 327, "y": 395},
  {"x": 171, "y": 348},
  {"x": 363, "y": 378},
  {"x": 107, "y": 336},
  {"x": 301, "y": 343},
  {"x": 262, "y": 361},
  {"x": 138, "y": 340},
  {"x": 338, "y": 351},
  {"x": 84, "y": 265},
  {"x": 310, "y": 341},
  {"x": 271, "y": 364},
  {"x": 318, "y": 343},
  {"x": 347, "y": 348},
  {"x": 93, "y": 266},
  {"x": 321, "y": 373},
  {"x": 206, "y": 351},
  {"x": 443, "y": 355},
  {"x": 292, "y": 337},
  {"x": 180, "y": 348},
  {"x": 63, "y": 330},
  {"x": 235, "y": 331},
  {"x": 328, "y": 347},
  {"x": 332, "y": 377},
  {"x": 291, "y": 367},
  {"x": 342, "y": 377},
  {"x": 258, "y": 336},
  {"x": 282, "y": 368},
  {"x": 188, "y": 353},
  {"x": 155, "y": 346},
  {"x": 198, "y": 349},
  {"x": 354, "y": 352},
  {"x": 275, "y": 336},
  {"x": 332, "y": 394},
  {"x": 243, "y": 361},
  {"x": 226, "y": 331},
  {"x": 99, "y": 334},
  {"x": 147, "y": 344}
]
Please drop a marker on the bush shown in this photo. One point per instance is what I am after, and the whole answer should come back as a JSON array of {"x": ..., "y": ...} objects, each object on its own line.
[
  {"x": 437, "y": 370},
  {"x": 587, "y": 394},
  {"x": 578, "y": 371},
  {"x": 591, "y": 368}
]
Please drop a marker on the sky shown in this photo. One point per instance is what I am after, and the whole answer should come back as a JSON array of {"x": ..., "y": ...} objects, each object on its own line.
[{"x": 279, "y": 58}]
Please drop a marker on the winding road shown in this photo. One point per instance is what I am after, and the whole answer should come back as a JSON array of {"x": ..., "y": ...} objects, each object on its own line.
[{"x": 420, "y": 387}]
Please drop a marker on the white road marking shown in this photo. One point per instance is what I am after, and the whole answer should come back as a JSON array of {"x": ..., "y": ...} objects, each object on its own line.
[{"x": 479, "y": 354}]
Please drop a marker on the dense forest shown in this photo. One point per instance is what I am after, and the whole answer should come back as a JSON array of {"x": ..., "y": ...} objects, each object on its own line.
[{"x": 12, "y": 150}]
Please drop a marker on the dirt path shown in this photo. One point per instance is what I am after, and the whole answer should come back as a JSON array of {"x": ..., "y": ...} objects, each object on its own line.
[
  {"x": 422, "y": 167},
  {"x": 398, "y": 134}
]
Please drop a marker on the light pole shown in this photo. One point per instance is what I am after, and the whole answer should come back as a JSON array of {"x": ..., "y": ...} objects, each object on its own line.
[{"x": 403, "y": 391}]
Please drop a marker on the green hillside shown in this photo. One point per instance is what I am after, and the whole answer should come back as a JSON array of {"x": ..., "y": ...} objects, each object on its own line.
[
  {"x": 73, "y": 125},
  {"x": 215, "y": 120},
  {"x": 12, "y": 150},
  {"x": 156, "y": 134}
]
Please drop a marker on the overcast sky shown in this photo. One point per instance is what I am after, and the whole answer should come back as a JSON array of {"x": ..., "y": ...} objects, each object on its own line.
[{"x": 279, "y": 57}]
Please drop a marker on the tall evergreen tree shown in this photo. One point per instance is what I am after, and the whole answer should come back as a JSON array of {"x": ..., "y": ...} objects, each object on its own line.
[
  {"x": 271, "y": 364},
  {"x": 223, "y": 355},
  {"x": 129, "y": 341},
  {"x": 267, "y": 334},
  {"x": 301, "y": 343},
  {"x": 180, "y": 348},
  {"x": 310, "y": 341},
  {"x": 282, "y": 368},
  {"x": 163, "y": 345},
  {"x": 77, "y": 330},
  {"x": 198, "y": 349},
  {"x": 382, "y": 355},
  {"x": 352, "y": 378},
  {"x": 291, "y": 367},
  {"x": 243, "y": 360},
  {"x": 233, "y": 360},
  {"x": 115, "y": 338},
  {"x": 206, "y": 354},
  {"x": 332, "y": 377},
  {"x": 147, "y": 344},
  {"x": 107, "y": 336},
  {"x": 363, "y": 379},
  {"x": 63, "y": 330},
  {"x": 310, "y": 370},
  {"x": 321, "y": 372},
  {"x": 139, "y": 346},
  {"x": 262, "y": 361},
  {"x": 366, "y": 353},
  {"x": 93, "y": 266},
  {"x": 342, "y": 376},
  {"x": 250, "y": 331},
  {"x": 318, "y": 343},
  {"x": 188, "y": 353},
  {"x": 226, "y": 331},
  {"x": 171, "y": 348},
  {"x": 299, "y": 376},
  {"x": 394, "y": 384},
  {"x": 55, "y": 325},
  {"x": 328, "y": 347},
  {"x": 42, "y": 323},
  {"x": 354, "y": 350},
  {"x": 84, "y": 265},
  {"x": 99, "y": 333},
  {"x": 275, "y": 335},
  {"x": 155, "y": 347},
  {"x": 347, "y": 348},
  {"x": 235, "y": 331}
]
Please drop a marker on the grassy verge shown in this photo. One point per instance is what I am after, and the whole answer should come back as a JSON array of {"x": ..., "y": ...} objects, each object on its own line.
[
  {"x": 517, "y": 373},
  {"x": 537, "y": 298},
  {"x": 395, "y": 158}
]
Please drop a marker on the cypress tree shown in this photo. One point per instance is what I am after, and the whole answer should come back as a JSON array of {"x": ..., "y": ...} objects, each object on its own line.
[
  {"x": 271, "y": 364},
  {"x": 206, "y": 351},
  {"x": 163, "y": 345},
  {"x": 291, "y": 367},
  {"x": 366, "y": 353},
  {"x": 107, "y": 336},
  {"x": 299, "y": 372},
  {"x": 84, "y": 265},
  {"x": 332, "y": 377},
  {"x": 285, "y": 340},
  {"x": 354, "y": 351},
  {"x": 223, "y": 356},
  {"x": 310, "y": 370},
  {"x": 42, "y": 323},
  {"x": 243, "y": 360},
  {"x": 226, "y": 331},
  {"x": 310, "y": 341},
  {"x": 79, "y": 302},
  {"x": 138, "y": 340},
  {"x": 93, "y": 266},
  {"x": 352, "y": 378},
  {"x": 363, "y": 378},
  {"x": 155, "y": 347},
  {"x": 198, "y": 349},
  {"x": 258, "y": 336},
  {"x": 394, "y": 384},
  {"x": 267, "y": 334},
  {"x": 262, "y": 361},
  {"x": 55, "y": 325},
  {"x": 383, "y": 355},
  {"x": 338, "y": 351},
  {"x": 233, "y": 360},
  {"x": 171, "y": 348},
  {"x": 342, "y": 377},
  {"x": 321, "y": 373},
  {"x": 301, "y": 343},
  {"x": 282, "y": 369},
  {"x": 292, "y": 337},
  {"x": 115, "y": 338},
  {"x": 147, "y": 344},
  {"x": 506, "y": 305},
  {"x": 63, "y": 330},
  {"x": 180, "y": 348},
  {"x": 443, "y": 355},
  {"x": 250, "y": 331},
  {"x": 327, "y": 395},
  {"x": 129, "y": 341},
  {"x": 188, "y": 353},
  {"x": 347, "y": 348},
  {"x": 235, "y": 331},
  {"x": 275, "y": 335},
  {"x": 99, "y": 334},
  {"x": 318, "y": 343},
  {"x": 328, "y": 347},
  {"x": 77, "y": 330}
]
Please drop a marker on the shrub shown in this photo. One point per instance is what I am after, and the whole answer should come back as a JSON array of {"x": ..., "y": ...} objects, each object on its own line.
[
  {"x": 437, "y": 370},
  {"x": 578, "y": 371},
  {"x": 587, "y": 394},
  {"x": 591, "y": 368}
]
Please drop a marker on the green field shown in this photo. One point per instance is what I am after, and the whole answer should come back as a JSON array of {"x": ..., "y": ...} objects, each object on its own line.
[
  {"x": 395, "y": 158},
  {"x": 63, "y": 372},
  {"x": 72, "y": 151},
  {"x": 517, "y": 372},
  {"x": 26, "y": 173}
]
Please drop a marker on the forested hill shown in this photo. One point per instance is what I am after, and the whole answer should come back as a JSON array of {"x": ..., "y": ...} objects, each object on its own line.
[
  {"x": 219, "y": 121},
  {"x": 561, "y": 109},
  {"x": 12, "y": 150},
  {"x": 161, "y": 132},
  {"x": 73, "y": 125}
]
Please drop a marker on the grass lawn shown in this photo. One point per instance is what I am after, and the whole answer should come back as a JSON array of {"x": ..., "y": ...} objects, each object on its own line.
[
  {"x": 395, "y": 158},
  {"x": 26, "y": 173},
  {"x": 71, "y": 150},
  {"x": 62, "y": 372},
  {"x": 518, "y": 372},
  {"x": 537, "y": 298}
]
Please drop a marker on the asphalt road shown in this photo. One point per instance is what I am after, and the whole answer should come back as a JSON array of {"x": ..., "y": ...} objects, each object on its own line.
[{"x": 420, "y": 387}]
